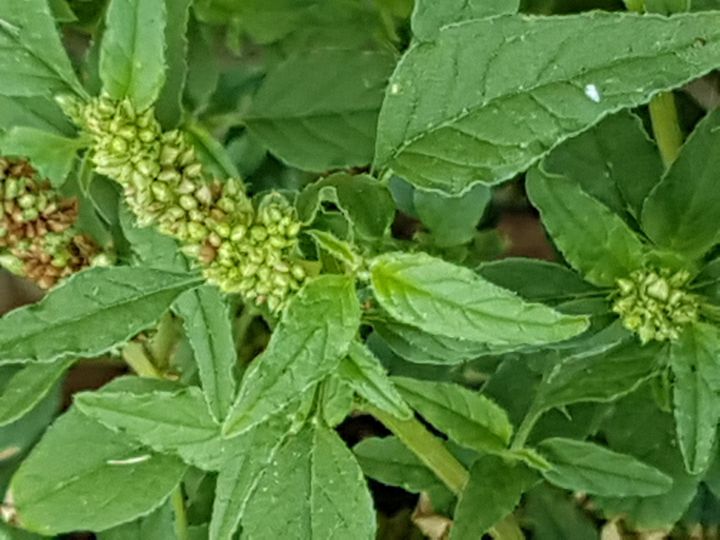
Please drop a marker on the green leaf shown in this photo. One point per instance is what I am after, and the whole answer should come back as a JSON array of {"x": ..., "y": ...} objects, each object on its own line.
[
  {"x": 176, "y": 422},
  {"x": 308, "y": 344},
  {"x": 150, "y": 247},
  {"x": 157, "y": 525},
  {"x": 169, "y": 107},
  {"x": 602, "y": 374},
  {"x": 206, "y": 317},
  {"x": 422, "y": 348},
  {"x": 452, "y": 220},
  {"x": 132, "y": 55},
  {"x": 536, "y": 280},
  {"x": 389, "y": 461},
  {"x": 615, "y": 162},
  {"x": 62, "y": 11},
  {"x": 499, "y": 485},
  {"x": 50, "y": 482},
  {"x": 52, "y": 155},
  {"x": 366, "y": 375},
  {"x": 364, "y": 201},
  {"x": 336, "y": 399},
  {"x": 24, "y": 390},
  {"x": 211, "y": 152},
  {"x": 674, "y": 215},
  {"x": 594, "y": 240},
  {"x": 636, "y": 426},
  {"x": 338, "y": 249},
  {"x": 329, "y": 118},
  {"x": 239, "y": 476},
  {"x": 430, "y": 16},
  {"x": 694, "y": 362},
  {"x": 455, "y": 302},
  {"x": 513, "y": 87},
  {"x": 34, "y": 61},
  {"x": 467, "y": 417},
  {"x": 589, "y": 468},
  {"x": 76, "y": 321},
  {"x": 667, "y": 7},
  {"x": 36, "y": 112},
  {"x": 555, "y": 516},
  {"x": 312, "y": 474},
  {"x": 8, "y": 532}
]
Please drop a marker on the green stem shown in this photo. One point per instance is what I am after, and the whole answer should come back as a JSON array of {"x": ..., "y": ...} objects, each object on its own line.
[
  {"x": 525, "y": 428},
  {"x": 666, "y": 127},
  {"x": 135, "y": 356},
  {"x": 427, "y": 447},
  {"x": 433, "y": 453},
  {"x": 242, "y": 324},
  {"x": 663, "y": 113},
  {"x": 181, "y": 520},
  {"x": 163, "y": 341}
]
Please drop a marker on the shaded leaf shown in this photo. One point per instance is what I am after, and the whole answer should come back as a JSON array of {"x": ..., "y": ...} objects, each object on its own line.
[
  {"x": 493, "y": 492},
  {"x": 601, "y": 375},
  {"x": 364, "y": 201},
  {"x": 674, "y": 215},
  {"x": 537, "y": 280},
  {"x": 37, "y": 112},
  {"x": 615, "y": 162},
  {"x": 452, "y": 220},
  {"x": 329, "y": 119},
  {"x": 429, "y": 16},
  {"x": 594, "y": 240},
  {"x": 589, "y": 468},
  {"x": 52, "y": 155},
  {"x": 694, "y": 362},
  {"x": 27, "y": 387}
]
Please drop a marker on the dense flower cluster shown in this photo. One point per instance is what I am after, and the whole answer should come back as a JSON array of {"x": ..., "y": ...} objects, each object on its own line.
[
  {"x": 38, "y": 238},
  {"x": 240, "y": 248},
  {"x": 655, "y": 305}
]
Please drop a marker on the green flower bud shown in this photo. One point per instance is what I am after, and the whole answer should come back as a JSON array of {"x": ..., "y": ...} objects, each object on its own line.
[{"x": 655, "y": 304}]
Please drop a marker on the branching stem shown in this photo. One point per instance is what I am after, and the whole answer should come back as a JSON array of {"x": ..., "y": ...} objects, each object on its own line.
[{"x": 433, "y": 453}]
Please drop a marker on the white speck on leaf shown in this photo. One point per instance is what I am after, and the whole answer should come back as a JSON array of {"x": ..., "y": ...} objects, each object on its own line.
[
  {"x": 129, "y": 461},
  {"x": 593, "y": 93},
  {"x": 395, "y": 89}
]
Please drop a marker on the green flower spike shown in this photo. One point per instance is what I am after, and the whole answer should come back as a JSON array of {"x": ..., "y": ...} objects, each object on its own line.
[
  {"x": 38, "y": 239},
  {"x": 655, "y": 304},
  {"x": 239, "y": 249}
]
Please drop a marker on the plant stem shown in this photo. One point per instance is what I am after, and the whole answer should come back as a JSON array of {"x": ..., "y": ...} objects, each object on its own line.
[
  {"x": 439, "y": 460},
  {"x": 666, "y": 126},
  {"x": 135, "y": 356},
  {"x": 663, "y": 113},
  {"x": 160, "y": 346},
  {"x": 181, "y": 521},
  {"x": 427, "y": 447},
  {"x": 525, "y": 428},
  {"x": 242, "y": 324}
]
